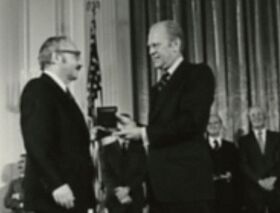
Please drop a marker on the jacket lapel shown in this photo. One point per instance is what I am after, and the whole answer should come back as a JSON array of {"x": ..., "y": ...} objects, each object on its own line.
[
  {"x": 268, "y": 143},
  {"x": 73, "y": 109},
  {"x": 158, "y": 98},
  {"x": 255, "y": 144}
]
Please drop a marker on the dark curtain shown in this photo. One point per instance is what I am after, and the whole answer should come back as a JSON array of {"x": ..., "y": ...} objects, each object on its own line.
[{"x": 238, "y": 39}]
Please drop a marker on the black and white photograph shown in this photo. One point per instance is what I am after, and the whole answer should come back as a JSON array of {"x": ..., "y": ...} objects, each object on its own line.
[{"x": 140, "y": 106}]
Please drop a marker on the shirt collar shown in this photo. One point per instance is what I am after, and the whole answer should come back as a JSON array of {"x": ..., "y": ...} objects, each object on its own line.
[
  {"x": 175, "y": 65},
  {"x": 212, "y": 139},
  {"x": 56, "y": 79},
  {"x": 256, "y": 133}
]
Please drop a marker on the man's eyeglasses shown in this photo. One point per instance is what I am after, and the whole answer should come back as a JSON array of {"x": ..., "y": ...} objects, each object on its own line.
[{"x": 76, "y": 53}]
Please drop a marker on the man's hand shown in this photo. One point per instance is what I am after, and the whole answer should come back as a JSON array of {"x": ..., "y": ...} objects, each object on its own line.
[
  {"x": 63, "y": 196},
  {"x": 267, "y": 183},
  {"x": 130, "y": 133},
  {"x": 125, "y": 121},
  {"x": 122, "y": 192},
  {"x": 16, "y": 196}
]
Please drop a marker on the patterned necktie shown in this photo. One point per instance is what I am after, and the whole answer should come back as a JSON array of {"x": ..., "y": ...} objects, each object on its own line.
[
  {"x": 163, "y": 81},
  {"x": 261, "y": 141}
]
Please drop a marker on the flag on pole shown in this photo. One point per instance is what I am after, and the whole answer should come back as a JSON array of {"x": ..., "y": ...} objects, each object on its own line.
[
  {"x": 94, "y": 74},
  {"x": 94, "y": 89}
]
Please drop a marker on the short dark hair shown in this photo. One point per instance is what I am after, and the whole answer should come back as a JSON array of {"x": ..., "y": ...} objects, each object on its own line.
[{"x": 51, "y": 45}]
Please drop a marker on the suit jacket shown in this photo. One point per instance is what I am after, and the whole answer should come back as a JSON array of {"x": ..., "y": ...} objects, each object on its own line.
[
  {"x": 225, "y": 159},
  {"x": 124, "y": 168},
  {"x": 179, "y": 163},
  {"x": 57, "y": 141},
  {"x": 255, "y": 166}
]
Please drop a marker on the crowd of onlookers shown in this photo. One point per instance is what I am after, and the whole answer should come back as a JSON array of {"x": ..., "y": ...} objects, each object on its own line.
[{"x": 246, "y": 174}]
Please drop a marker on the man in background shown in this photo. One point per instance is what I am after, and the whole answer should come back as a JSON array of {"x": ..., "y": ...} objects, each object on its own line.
[
  {"x": 123, "y": 172},
  {"x": 225, "y": 167},
  {"x": 260, "y": 164},
  {"x": 59, "y": 167},
  {"x": 14, "y": 197},
  {"x": 179, "y": 165}
]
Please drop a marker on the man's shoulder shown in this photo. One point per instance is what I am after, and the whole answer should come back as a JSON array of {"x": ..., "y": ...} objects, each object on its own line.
[
  {"x": 36, "y": 87},
  {"x": 244, "y": 139},
  {"x": 229, "y": 145},
  {"x": 197, "y": 70},
  {"x": 203, "y": 67},
  {"x": 271, "y": 132},
  {"x": 274, "y": 135}
]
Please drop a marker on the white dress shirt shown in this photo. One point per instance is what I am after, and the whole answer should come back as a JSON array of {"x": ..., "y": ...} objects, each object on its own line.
[
  {"x": 263, "y": 134},
  {"x": 212, "y": 139},
  {"x": 57, "y": 80}
]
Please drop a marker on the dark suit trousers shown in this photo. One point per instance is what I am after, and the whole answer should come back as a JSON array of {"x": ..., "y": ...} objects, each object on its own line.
[{"x": 188, "y": 207}]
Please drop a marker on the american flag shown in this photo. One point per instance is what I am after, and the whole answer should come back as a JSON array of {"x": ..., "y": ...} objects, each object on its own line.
[{"x": 94, "y": 74}]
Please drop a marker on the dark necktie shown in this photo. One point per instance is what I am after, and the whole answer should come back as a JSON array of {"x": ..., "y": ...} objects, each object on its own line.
[
  {"x": 216, "y": 145},
  {"x": 163, "y": 81}
]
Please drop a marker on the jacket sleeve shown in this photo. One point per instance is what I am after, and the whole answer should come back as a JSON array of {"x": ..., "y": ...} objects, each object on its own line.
[
  {"x": 38, "y": 123},
  {"x": 192, "y": 110},
  {"x": 244, "y": 163},
  {"x": 138, "y": 166},
  {"x": 110, "y": 178}
]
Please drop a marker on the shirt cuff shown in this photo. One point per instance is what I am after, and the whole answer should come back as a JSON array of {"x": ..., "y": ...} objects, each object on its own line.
[{"x": 144, "y": 137}]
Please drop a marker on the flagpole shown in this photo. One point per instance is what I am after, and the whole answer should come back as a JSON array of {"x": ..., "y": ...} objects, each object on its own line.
[{"x": 94, "y": 90}]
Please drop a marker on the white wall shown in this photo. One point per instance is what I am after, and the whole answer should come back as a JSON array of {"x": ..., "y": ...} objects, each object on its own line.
[
  {"x": 24, "y": 25},
  {"x": 10, "y": 65}
]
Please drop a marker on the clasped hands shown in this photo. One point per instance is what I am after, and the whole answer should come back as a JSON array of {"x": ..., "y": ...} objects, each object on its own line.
[
  {"x": 122, "y": 193},
  {"x": 267, "y": 183},
  {"x": 226, "y": 176}
]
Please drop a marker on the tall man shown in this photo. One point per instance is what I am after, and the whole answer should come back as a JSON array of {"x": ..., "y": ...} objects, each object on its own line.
[
  {"x": 59, "y": 168},
  {"x": 225, "y": 167},
  {"x": 260, "y": 164},
  {"x": 179, "y": 164}
]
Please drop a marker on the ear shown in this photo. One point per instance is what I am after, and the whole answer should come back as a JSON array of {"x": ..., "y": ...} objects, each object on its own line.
[
  {"x": 56, "y": 58},
  {"x": 176, "y": 44}
]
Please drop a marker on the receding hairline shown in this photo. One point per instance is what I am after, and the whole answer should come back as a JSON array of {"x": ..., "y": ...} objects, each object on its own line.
[{"x": 258, "y": 108}]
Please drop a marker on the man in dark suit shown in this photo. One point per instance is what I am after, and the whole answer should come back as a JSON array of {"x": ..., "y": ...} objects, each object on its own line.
[
  {"x": 260, "y": 164},
  {"x": 58, "y": 176},
  {"x": 179, "y": 165},
  {"x": 123, "y": 172},
  {"x": 225, "y": 167}
]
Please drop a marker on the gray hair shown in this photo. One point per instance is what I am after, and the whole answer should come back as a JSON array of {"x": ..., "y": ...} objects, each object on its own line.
[{"x": 51, "y": 45}]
